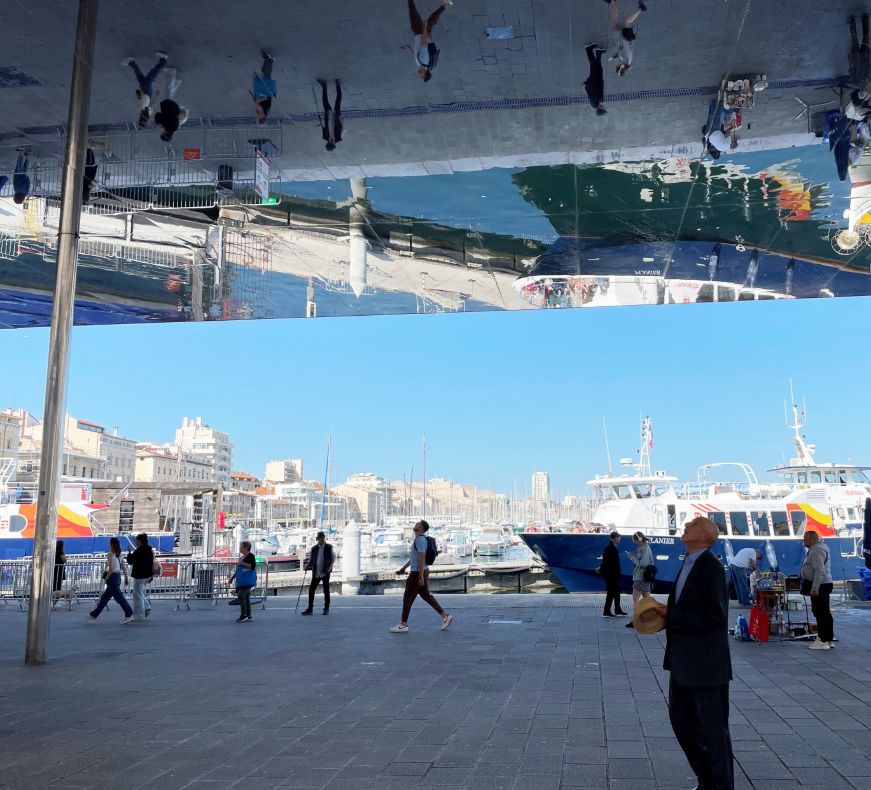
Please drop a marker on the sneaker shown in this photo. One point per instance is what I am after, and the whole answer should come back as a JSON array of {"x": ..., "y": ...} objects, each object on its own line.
[
  {"x": 89, "y": 618},
  {"x": 248, "y": 618},
  {"x": 147, "y": 612},
  {"x": 241, "y": 619},
  {"x": 130, "y": 619},
  {"x": 266, "y": 54},
  {"x": 160, "y": 56},
  {"x": 629, "y": 625},
  {"x": 620, "y": 614},
  {"x": 608, "y": 614},
  {"x": 399, "y": 629},
  {"x": 322, "y": 82},
  {"x": 306, "y": 612},
  {"x": 326, "y": 611},
  {"x": 642, "y": 6},
  {"x": 126, "y": 61},
  {"x": 447, "y": 622},
  {"x": 819, "y": 645}
]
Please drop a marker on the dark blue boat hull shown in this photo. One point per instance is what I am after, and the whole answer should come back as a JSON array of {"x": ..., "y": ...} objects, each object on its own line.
[
  {"x": 573, "y": 558},
  {"x": 16, "y": 548}
]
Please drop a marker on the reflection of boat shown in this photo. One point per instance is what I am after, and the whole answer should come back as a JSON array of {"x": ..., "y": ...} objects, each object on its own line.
[
  {"x": 826, "y": 498},
  {"x": 76, "y": 523},
  {"x": 458, "y": 543}
]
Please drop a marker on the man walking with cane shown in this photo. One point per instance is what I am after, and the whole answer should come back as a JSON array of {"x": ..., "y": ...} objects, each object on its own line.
[{"x": 320, "y": 561}]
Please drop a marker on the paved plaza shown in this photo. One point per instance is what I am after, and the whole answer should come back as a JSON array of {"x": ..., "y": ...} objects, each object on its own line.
[
  {"x": 524, "y": 692},
  {"x": 394, "y": 120}
]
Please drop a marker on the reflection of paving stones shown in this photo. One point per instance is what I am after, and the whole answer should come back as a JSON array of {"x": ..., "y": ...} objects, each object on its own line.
[
  {"x": 564, "y": 699},
  {"x": 544, "y": 60}
]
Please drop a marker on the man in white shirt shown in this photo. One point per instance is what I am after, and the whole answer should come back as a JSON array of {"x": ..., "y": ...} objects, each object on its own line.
[{"x": 742, "y": 565}]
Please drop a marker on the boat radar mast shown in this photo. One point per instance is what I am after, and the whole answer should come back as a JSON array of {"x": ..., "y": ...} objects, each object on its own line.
[
  {"x": 804, "y": 451},
  {"x": 643, "y": 466}
]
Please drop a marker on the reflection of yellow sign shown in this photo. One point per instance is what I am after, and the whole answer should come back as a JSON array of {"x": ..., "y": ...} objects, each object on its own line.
[{"x": 32, "y": 217}]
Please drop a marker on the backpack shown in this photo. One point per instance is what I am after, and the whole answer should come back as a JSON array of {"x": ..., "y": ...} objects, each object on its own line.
[
  {"x": 433, "y": 51},
  {"x": 650, "y": 573},
  {"x": 156, "y": 568},
  {"x": 432, "y": 550}
]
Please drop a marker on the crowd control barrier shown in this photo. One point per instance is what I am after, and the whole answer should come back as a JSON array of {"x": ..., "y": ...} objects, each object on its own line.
[{"x": 182, "y": 580}]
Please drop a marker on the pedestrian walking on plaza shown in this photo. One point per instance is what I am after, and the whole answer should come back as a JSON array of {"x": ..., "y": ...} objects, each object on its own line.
[
  {"x": 171, "y": 114},
  {"x": 623, "y": 36},
  {"x": 594, "y": 85},
  {"x": 741, "y": 566},
  {"x": 89, "y": 178},
  {"x": 141, "y": 562},
  {"x": 816, "y": 581},
  {"x": 145, "y": 92},
  {"x": 697, "y": 656},
  {"x": 331, "y": 124},
  {"x": 112, "y": 576},
  {"x": 641, "y": 559},
  {"x": 265, "y": 89},
  {"x": 426, "y": 53},
  {"x": 60, "y": 560},
  {"x": 417, "y": 581},
  {"x": 20, "y": 179},
  {"x": 610, "y": 570},
  {"x": 245, "y": 577},
  {"x": 320, "y": 562},
  {"x": 860, "y": 55}
]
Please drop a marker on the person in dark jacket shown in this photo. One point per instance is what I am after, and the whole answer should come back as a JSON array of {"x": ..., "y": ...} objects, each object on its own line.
[
  {"x": 141, "y": 562},
  {"x": 697, "y": 656},
  {"x": 610, "y": 570},
  {"x": 320, "y": 562},
  {"x": 860, "y": 54},
  {"x": 172, "y": 114},
  {"x": 331, "y": 125},
  {"x": 20, "y": 179},
  {"x": 60, "y": 560},
  {"x": 594, "y": 85}
]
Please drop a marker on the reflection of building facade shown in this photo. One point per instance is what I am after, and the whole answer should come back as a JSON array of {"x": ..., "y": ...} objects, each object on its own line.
[
  {"x": 10, "y": 438},
  {"x": 195, "y": 436}
]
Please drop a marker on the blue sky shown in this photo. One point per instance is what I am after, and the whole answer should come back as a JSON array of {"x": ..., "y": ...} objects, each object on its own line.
[{"x": 499, "y": 395}]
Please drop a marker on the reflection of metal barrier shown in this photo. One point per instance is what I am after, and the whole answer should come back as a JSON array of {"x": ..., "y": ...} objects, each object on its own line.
[{"x": 182, "y": 580}]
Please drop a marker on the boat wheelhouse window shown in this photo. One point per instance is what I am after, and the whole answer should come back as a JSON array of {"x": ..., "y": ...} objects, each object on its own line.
[
  {"x": 642, "y": 490},
  {"x": 859, "y": 476},
  {"x": 720, "y": 520},
  {"x": 623, "y": 492},
  {"x": 799, "y": 522},
  {"x": 842, "y": 477},
  {"x": 830, "y": 478},
  {"x": 781, "y": 523},
  {"x": 816, "y": 477},
  {"x": 851, "y": 513},
  {"x": 660, "y": 489},
  {"x": 802, "y": 477},
  {"x": 739, "y": 522},
  {"x": 759, "y": 521},
  {"x": 790, "y": 479}
]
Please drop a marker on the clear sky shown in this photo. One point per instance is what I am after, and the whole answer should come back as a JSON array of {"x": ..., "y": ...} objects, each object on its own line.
[{"x": 499, "y": 395}]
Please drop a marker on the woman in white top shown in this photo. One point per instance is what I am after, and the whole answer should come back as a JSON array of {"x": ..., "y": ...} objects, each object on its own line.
[
  {"x": 115, "y": 566},
  {"x": 423, "y": 48},
  {"x": 640, "y": 559}
]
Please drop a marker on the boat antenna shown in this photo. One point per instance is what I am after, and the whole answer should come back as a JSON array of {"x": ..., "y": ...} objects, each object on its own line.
[
  {"x": 799, "y": 420},
  {"x": 326, "y": 478},
  {"x": 607, "y": 447}
]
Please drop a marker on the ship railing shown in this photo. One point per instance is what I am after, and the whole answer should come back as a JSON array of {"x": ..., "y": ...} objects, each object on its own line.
[
  {"x": 701, "y": 490},
  {"x": 182, "y": 581}
]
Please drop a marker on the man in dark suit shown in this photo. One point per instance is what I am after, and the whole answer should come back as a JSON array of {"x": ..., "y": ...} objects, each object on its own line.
[
  {"x": 697, "y": 655},
  {"x": 320, "y": 562},
  {"x": 610, "y": 570}
]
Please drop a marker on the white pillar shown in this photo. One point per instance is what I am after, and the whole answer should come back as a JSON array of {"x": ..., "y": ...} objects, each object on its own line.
[{"x": 351, "y": 559}]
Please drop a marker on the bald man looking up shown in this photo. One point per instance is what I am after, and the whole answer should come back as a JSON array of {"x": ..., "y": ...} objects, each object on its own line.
[{"x": 697, "y": 655}]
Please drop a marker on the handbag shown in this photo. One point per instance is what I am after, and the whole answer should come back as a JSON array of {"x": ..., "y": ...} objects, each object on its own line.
[
  {"x": 156, "y": 569},
  {"x": 245, "y": 577},
  {"x": 806, "y": 587},
  {"x": 650, "y": 573},
  {"x": 759, "y": 624}
]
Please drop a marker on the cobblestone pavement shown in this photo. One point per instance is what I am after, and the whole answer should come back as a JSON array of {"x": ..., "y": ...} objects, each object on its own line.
[
  {"x": 215, "y": 47},
  {"x": 528, "y": 692}
]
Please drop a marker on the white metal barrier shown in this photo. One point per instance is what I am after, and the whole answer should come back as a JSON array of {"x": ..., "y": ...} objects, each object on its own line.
[{"x": 182, "y": 580}]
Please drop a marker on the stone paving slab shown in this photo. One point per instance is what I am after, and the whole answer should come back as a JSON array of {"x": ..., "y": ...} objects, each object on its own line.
[{"x": 561, "y": 699}]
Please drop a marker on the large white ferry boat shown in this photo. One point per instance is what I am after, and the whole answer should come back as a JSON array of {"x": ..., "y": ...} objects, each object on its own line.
[{"x": 826, "y": 498}]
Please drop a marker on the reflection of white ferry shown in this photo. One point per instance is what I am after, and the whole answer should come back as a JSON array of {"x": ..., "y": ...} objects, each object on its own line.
[{"x": 826, "y": 498}]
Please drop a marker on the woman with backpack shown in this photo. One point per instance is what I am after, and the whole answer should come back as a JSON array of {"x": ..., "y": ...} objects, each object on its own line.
[
  {"x": 642, "y": 559},
  {"x": 422, "y": 556},
  {"x": 141, "y": 562},
  {"x": 112, "y": 576}
]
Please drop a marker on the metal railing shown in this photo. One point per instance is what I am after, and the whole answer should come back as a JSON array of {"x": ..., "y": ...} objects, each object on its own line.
[{"x": 183, "y": 580}]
